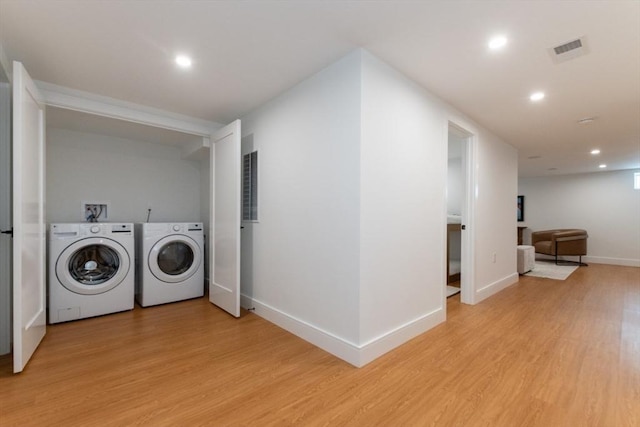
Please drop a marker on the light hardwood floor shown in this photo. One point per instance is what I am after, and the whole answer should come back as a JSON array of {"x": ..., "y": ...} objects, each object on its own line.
[{"x": 540, "y": 353}]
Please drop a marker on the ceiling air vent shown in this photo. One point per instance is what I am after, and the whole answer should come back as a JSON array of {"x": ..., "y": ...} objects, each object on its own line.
[
  {"x": 559, "y": 50},
  {"x": 569, "y": 50}
]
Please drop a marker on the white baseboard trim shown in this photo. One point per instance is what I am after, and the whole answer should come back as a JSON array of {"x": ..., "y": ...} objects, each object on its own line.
[
  {"x": 395, "y": 338},
  {"x": 337, "y": 346},
  {"x": 495, "y": 287},
  {"x": 356, "y": 355},
  {"x": 627, "y": 262}
]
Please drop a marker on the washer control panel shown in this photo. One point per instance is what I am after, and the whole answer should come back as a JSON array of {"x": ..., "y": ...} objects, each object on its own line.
[{"x": 90, "y": 229}]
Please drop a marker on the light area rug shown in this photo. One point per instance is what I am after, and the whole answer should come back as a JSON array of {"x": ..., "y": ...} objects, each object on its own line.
[
  {"x": 452, "y": 290},
  {"x": 549, "y": 270}
]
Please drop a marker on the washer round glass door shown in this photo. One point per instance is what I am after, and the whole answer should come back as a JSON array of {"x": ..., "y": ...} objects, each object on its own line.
[
  {"x": 174, "y": 258},
  {"x": 92, "y": 266}
]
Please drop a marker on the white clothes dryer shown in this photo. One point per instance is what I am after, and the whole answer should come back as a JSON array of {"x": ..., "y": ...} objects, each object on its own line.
[
  {"x": 91, "y": 270},
  {"x": 170, "y": 262}
]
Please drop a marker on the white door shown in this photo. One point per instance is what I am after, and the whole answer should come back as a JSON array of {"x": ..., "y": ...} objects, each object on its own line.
[
  {"x": 29, "y": 238},
  {"x": 5, "y": 213},
  {"x": 224, "y": 235}
]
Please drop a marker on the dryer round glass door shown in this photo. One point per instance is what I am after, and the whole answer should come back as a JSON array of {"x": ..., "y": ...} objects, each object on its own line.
[
  {"x": 174, "y": 258},
  {"x": 92, "y": 266}
]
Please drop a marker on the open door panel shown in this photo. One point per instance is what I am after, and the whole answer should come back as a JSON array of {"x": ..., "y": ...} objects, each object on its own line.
[
  {"x": 29, "y": 238},
  {"x": 224, "y": 240}
]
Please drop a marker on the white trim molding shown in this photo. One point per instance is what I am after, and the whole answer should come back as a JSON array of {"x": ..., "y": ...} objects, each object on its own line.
[
  {"x": 495, "y": 287},
  {"x": 375, "y": 348},
  {"x": 354, "y": 354},
  {"x": 337, "y": 346},
  {"x": 627, "y": 262},
  {"x": 86, "y": 102}
]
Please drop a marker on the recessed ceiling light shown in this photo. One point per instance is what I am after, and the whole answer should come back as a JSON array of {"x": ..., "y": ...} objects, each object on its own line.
[
  {"x": 602, "y": 166},
  {"x": 536, "y": 96},
  {"x": 534, "y": 157},
  {"x": 552, "y": 169},
  {"x": 183, "y": 61},
  {"x": 596, "y": 151},
  {"x": 497, "y": 42}
]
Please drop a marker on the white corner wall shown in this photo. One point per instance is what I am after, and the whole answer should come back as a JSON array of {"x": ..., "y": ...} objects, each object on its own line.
[
  {"x": 403, "y": 182},
  {"x": 130, "y": 175},
  {"x": 403, "y": 209},
  {"x": 303, "y": 269},
  {"x": 349, "y": 250},
  {"x": 603, "y": 203}
]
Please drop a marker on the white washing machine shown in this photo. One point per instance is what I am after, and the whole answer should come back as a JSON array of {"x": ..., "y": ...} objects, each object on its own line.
[
  {"x": 91, "y": 270},
  {"x": 170, "y": 262}
]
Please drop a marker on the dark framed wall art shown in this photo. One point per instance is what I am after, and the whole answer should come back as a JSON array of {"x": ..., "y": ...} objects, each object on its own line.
[{"x": 520, "y": 208}]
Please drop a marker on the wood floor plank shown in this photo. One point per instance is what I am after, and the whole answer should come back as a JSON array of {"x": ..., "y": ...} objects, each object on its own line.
[{"x": 540, "y": 353}]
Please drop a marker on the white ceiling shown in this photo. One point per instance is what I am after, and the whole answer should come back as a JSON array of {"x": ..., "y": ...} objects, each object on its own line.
[{"x": 247, "y": 52}]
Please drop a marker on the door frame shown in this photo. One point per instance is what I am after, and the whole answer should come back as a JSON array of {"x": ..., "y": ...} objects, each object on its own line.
[{"x": 467, "y": 236}]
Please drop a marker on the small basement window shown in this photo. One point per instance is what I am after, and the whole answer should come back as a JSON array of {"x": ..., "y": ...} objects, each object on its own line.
[{"x": 250, "y": 187}]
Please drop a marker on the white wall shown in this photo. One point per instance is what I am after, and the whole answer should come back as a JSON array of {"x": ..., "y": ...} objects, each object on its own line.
[
  {"x": 305, "y": 245},
  {"x": 130, "y": 175},
  {"x": 494, "y": 227},
  {"x": 603, "y": 203},
  {"x": 403, "y": 182},
  {"x": 491, "y": 225},
  {"x": 403, "y": 208}
]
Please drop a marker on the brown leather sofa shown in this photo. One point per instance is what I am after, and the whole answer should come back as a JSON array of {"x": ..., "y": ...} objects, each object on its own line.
[{"x": 567, "y": 241}]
